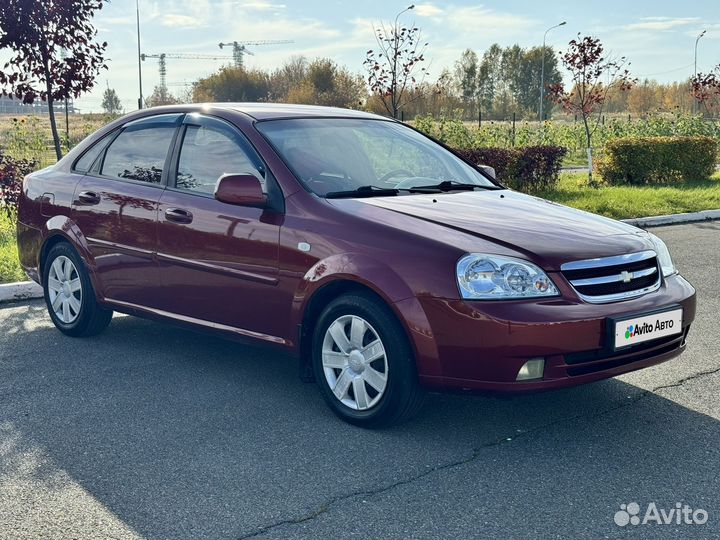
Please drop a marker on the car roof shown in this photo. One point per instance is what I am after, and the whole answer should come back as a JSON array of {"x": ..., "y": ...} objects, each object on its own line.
[{"x": 266, "y": 111}]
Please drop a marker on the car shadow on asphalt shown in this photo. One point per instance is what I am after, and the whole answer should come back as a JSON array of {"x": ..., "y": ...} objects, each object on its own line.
[{"x": 187, "y": 435}]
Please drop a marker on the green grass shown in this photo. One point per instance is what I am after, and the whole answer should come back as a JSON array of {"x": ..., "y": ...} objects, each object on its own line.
[
  {"x": 9, "y": 264},
  {"x": 575, "y": 158},
  {"x": 623, "y": 202}
]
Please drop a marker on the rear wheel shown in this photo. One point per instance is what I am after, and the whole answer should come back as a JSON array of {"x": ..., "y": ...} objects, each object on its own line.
[
  {"x": 69, "y": 294},
  {"x": 364, "y": 364}
]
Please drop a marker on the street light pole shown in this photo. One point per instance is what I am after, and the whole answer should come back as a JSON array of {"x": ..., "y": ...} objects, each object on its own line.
[
  {"x": 542, "y": 68},
  {"x": 411, "y": 6},
  {"x": 701, "y": 34},
  {"x": 137, "y": 15}
]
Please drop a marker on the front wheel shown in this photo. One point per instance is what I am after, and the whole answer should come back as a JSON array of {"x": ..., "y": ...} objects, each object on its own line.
[
  {"x": 69, "y": 294},
  {"x": 364, "y": 364}
]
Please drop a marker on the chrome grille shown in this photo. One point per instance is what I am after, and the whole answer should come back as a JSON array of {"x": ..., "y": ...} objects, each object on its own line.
[{"x": 611, "y": 279}]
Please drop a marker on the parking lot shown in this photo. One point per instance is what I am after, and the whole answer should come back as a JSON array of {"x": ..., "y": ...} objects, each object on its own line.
[{"x": 151, "y": 431}]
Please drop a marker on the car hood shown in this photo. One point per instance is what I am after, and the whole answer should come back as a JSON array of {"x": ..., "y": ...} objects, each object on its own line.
[{"x": 543, "y": 231}]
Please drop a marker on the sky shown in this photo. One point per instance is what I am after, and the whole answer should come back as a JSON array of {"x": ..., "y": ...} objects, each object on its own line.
[{"x": 657, "y": 36}]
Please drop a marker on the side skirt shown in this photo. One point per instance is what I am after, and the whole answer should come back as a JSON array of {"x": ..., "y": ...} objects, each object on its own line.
[{"x": 146, "y": 312}]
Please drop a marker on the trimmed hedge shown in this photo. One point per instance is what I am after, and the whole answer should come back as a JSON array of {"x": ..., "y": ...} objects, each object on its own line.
[
  {"x": 528, "y": 168},
  {"x": 646, "y": 160}
]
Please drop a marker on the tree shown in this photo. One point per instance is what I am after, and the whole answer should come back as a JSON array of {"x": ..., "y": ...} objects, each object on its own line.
[
  {"x": 594, "y": 77},
  {"x": 394, "y": 68},
  {"x": 466, "y": 79},
  {"x": 54, "y": 55},
  {"x": 511, "y": 66},
  {"x": 642, "y": 98},
  {"x": 508, "y": 80},
  {"x": 706, "y": 88},
  {"x": 290, "y": 75},
  {"x": 326, "y": 83},
  {"x": 233, "y": 84},
  {"x": 111, "y": 102},
  {"x": 529, "y": 79},
  {"x": 489, "y": 77},
  {"x": 161, "y": 96}
]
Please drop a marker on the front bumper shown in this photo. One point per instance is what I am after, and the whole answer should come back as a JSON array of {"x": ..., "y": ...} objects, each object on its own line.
[{"x": 483, "y": 345}]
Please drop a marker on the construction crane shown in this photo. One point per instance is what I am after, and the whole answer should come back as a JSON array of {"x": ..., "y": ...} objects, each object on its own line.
[
  {"x": 163, "y": 56},
  {"x": 239, "y": 49}
]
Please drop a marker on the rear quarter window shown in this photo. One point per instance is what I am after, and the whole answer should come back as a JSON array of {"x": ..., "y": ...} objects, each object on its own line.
[{"x": 85, "y": 162}]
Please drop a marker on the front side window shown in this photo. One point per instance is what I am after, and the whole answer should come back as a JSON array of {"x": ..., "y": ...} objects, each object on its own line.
[
  {"x": 139, "y": 153},
  {"x": 337, "y": 154},
  {"x": 209, "y": 151}
]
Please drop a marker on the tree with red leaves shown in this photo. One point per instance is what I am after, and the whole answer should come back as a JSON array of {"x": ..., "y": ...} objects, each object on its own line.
[
  {"x": 54, "y": 55},
  {"x": 706, "y": 88},
  {"x": 594, "y": 78},
  {"x": 394, "y": 68}
]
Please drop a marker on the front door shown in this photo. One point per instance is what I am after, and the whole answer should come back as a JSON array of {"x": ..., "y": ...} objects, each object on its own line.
[{"x": 218, "y": 262}]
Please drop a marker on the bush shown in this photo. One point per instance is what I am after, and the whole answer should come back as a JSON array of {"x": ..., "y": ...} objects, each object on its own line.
[
  {"x": 12, "y": 172},
  {"x": 645, "y": 160},
  {"x": 529, "y": 168}
]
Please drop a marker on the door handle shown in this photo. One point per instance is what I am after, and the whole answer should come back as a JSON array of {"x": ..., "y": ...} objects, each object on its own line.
[
  {"x": 88, "y": 197},
  {"x": 178, "y": 215}
]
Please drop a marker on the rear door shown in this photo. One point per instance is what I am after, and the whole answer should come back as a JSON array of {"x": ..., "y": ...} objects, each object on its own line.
[{"x": 115, "y": 206}]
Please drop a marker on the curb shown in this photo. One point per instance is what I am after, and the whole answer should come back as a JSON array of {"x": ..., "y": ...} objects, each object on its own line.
[
  {"x": 674, "y": 219},
  {"x": 24, "y": 290}
]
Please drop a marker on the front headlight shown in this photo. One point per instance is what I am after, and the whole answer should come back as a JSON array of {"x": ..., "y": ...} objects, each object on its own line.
[
  {"x": 492, "y": 277},
  {"x": 663, "y": 255}
]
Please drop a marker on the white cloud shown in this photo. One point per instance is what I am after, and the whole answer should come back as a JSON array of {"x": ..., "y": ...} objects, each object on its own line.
[
  {"x": 427, "y": 10},
  {"x": 661, "y": 23},
  {"x": 121, "y": 20},
  {"x": 479, "y": 21},
  {"x": 176, "y": 20},
  {"x": 285, "y": 28},
  {"x": 261, "y": 6}
]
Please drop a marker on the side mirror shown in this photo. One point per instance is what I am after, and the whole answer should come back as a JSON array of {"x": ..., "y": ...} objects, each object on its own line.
[
  {"x": 241, "y": 189},
  {"x": 490, "y": 171}
]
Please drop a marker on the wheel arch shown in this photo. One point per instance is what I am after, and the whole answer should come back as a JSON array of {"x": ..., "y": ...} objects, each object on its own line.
[
  {"x": 63, "y": 229},
  {"x": 338, "y": 275},
  {"x": 315, "y": 305}
]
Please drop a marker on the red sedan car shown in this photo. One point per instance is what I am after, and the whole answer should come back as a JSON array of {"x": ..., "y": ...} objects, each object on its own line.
[{"x": 385, "y": 261}]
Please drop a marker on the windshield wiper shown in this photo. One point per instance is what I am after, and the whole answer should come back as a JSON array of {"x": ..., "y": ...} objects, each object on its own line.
[
  {"x": 362, "y": 191},
  {"x": 451, "y": 185}
]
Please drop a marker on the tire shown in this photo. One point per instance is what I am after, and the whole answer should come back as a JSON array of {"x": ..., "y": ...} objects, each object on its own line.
[
  {"x": 69, "y": 294},
  {"x": 350, "y": 368}
]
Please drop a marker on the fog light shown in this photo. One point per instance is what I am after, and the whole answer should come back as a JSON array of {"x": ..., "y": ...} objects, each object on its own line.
[{"x": 532, "y": 369}]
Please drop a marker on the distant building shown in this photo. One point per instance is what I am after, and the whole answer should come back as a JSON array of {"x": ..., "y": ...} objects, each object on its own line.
[{"x": 16, "y": 106}]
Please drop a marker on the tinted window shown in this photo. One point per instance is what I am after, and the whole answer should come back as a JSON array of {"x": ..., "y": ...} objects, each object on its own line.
[
  {"x": 88, "y": 158},
  {"x": 139, "y": 153},
  {"x": 208, "y": 152}
]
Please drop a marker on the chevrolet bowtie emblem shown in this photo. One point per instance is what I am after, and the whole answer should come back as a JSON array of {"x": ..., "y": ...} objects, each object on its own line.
[{"x": 626, "y": 277}]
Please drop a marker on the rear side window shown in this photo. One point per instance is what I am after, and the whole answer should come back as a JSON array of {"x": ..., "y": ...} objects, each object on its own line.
[
  {"x": 139, "y": 153},
  {"x": 86, "y": 161}
]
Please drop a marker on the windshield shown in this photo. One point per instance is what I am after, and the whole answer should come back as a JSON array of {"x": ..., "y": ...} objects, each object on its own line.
[{"x": 331, "y": 155}]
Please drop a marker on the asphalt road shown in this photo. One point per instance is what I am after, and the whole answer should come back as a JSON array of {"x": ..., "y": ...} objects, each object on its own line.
[{"x": 150, "y": 431}]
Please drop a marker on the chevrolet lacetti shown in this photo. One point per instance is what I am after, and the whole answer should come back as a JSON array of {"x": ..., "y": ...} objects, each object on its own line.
[{"x": 387, "y": 263}]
